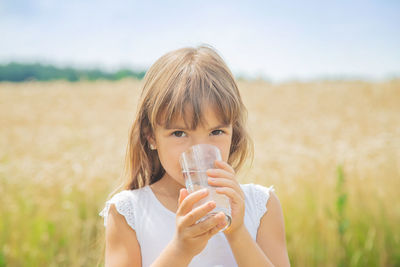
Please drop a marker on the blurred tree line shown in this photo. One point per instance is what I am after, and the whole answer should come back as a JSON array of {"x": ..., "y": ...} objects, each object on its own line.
[{"x": 19, "y": 72}]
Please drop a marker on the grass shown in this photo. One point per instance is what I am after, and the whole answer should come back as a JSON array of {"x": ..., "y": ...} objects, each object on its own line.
[{"x": 332, "y": 150}]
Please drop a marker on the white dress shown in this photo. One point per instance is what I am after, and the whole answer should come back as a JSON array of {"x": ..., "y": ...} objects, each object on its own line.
[{"x": 155, "y": 224}]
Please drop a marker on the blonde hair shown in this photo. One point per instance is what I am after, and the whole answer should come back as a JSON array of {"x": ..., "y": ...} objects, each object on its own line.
[{"x": 185, "y": 77}]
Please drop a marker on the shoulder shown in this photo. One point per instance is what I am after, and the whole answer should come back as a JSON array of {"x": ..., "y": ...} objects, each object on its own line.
[
  {"x": 119, "y": 219},
  {"x": 271, "y": 235},
  {"x": 257, "y": 195},
  {"x": 262, "y": 198},
  {"x": 120, "y": 239},
  {"x": 124, "y": 203},
  {"x": 117, "y": 225},
  {"x": 273, "y": 205},
  {"x": 256, "y": 201}
]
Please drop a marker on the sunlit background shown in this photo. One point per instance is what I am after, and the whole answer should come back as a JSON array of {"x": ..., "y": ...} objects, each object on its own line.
[{"x": 320, "y": 80}]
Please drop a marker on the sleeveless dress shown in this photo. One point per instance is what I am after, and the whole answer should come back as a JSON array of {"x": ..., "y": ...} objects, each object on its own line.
[{"x": 154, "y": 224}]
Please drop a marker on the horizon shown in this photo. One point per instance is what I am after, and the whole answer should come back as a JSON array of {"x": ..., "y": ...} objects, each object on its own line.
[{"x": 238, "y": 76}]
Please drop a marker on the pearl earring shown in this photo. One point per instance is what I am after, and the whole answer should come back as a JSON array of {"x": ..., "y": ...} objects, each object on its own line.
[{"x": 152, "y": 147}]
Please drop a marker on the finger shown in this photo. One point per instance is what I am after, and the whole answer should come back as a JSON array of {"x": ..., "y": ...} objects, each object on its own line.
[
  {"x": 187, "y": 203},
  {"x": 215, "y": 221},
  {"x": 196, "y": 214},
  {"x": 214, "y": 231},
  {"x": 225, "y": 166},
  {"x": 223, "y": 182},
  {"x": 229, "y": 192},
  {"x": 183, "y": 193},
  {"x": 220, "y": 173}
]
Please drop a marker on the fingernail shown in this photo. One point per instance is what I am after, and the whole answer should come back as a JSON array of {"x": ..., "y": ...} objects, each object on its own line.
[{"x": 211, "y": 204}]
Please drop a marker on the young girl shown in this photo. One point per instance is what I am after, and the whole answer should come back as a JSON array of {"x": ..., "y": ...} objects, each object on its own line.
[{"x": 190, "y": 97}]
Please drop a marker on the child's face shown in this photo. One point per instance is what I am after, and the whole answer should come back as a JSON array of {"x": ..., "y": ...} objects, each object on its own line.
[{"x": 172, "y": 142}]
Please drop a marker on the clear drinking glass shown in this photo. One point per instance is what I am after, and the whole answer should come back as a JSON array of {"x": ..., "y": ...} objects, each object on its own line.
[{"x": 195, "y": 162}]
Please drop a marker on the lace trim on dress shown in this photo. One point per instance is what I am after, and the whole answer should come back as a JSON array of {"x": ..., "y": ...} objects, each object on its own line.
[
  {"x": 261, "y": 196},
  {"x": 124, "y": 207}
]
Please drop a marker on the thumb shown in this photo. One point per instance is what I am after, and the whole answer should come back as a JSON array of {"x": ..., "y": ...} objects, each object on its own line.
[{"x": 183, "y": 193}]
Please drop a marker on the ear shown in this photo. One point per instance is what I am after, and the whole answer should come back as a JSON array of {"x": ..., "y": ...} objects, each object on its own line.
[{"x": 152, "y": 142}]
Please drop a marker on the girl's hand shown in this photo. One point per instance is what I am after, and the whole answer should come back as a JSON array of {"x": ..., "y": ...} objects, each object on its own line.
[
  {"x": 224, "y": 179},
  {"x": 191, "y": 238}
]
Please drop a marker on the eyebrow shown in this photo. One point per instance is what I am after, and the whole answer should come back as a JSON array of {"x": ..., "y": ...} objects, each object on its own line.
[{"x": 179, "y": 127}]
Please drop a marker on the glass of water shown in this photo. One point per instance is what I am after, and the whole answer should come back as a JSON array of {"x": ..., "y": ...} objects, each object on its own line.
[{"x": 195, "y": 162}]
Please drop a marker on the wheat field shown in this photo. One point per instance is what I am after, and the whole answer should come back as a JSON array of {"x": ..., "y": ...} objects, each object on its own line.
[{"x": 330, "y": 148}]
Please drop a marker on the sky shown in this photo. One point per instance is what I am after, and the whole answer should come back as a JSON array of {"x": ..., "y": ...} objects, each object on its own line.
[{"x": 277, "y": 40}]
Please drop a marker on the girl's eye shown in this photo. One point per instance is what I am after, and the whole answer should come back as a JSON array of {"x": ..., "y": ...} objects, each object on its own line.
[
  {"x": 179, "y": 134},
  {"x": 217, "y": 132}
]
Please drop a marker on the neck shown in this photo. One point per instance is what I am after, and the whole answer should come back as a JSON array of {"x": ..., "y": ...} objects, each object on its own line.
[{"x": 167, "y": 186}]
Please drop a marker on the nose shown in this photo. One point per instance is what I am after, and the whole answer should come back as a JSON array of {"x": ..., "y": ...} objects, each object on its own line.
[{"x": 199, "y": 140}]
